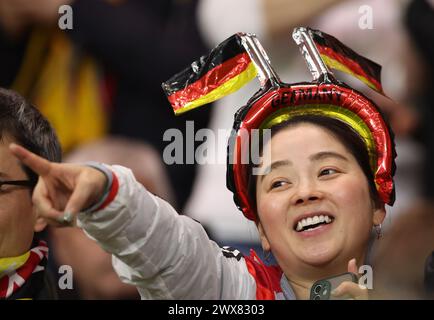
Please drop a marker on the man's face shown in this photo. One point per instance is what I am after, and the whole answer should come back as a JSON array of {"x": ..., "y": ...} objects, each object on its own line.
[{"x": 17, "y": 218}]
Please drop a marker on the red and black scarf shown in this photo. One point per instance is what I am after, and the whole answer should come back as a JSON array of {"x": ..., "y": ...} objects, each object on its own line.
[{"x": 23, "y": 277}]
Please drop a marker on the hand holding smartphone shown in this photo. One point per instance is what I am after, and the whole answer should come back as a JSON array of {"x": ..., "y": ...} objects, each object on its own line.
[{"x": 321, "y": 289}]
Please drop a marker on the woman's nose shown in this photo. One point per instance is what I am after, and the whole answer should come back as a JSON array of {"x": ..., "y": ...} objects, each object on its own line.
[
  {"x": 301, "y": 200},
  {"x": 306, "y": 192}
]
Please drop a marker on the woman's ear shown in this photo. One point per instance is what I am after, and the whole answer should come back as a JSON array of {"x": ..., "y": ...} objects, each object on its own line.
[
  {"x": 379, "y": 215},
  {"x": 263, "y": 237}
]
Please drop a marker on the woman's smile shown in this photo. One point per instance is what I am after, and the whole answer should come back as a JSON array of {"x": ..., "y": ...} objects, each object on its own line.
[{"x": 314, "y": 223}]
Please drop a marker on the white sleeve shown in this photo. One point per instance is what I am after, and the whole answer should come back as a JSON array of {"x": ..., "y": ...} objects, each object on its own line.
[{"x": 165, "y": 255}]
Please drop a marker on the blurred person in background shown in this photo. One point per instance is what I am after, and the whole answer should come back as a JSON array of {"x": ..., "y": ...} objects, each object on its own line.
[
  {"x": 93, "y": 274},
  {"x": 400, "y": 270},
  {"x": 408, "y": 269},
  {"x": 143, "y": 42},
  {"x": 419, "y": 21},
  {"x": 40, "y": 62},
  {"x": 133, "y": 45}
]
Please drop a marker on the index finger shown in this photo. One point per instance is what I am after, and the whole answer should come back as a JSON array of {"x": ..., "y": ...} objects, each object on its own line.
[{"x": 38, "y": 164}]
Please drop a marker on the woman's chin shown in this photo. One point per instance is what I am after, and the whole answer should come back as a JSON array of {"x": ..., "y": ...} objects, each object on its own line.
[{"x": 319, "y": 255}]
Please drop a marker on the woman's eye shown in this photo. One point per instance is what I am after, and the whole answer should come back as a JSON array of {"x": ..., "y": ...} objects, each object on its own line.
[
  {"x": 277, "y": 184},
  {"x": 327, "y": 172}
]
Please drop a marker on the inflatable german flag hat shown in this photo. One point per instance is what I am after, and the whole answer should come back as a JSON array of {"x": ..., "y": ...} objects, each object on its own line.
[{"x": 240, "y": 58}]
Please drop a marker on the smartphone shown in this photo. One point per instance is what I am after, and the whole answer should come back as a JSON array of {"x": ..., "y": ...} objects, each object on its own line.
[{"x": 321, "y": 289}]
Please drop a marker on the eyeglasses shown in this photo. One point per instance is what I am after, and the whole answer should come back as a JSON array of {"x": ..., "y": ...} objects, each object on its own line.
[{"x": 24, "y": 183}]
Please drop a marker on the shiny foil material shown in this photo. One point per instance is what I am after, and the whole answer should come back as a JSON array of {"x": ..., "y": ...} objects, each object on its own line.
[{"x": 332, "y": 100}]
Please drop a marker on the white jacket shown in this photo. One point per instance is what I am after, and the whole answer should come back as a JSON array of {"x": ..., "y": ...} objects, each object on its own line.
[{"x": 169, "y": 256}]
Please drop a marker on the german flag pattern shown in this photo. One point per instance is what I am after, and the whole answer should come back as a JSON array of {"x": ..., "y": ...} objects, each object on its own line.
[
  {"x": 338, "y": 56},
  {"x": 225, "y": 70}
]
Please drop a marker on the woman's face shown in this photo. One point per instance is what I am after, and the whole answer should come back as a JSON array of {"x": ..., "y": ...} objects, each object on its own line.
[{"x": 314, "y": 203}]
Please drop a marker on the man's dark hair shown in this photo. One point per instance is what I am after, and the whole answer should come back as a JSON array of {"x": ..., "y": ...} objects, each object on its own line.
[
  {"x": 23, "y": 123},
  {"x": 343, "y": 133}
]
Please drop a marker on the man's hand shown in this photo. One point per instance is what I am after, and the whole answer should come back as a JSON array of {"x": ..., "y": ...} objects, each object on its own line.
[{"x": 63, "y": 190}]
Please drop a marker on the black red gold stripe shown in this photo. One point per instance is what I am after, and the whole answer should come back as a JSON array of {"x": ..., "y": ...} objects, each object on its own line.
[
  {"x": 223, "y": 71},
  {"x": 338, "y": 56}
]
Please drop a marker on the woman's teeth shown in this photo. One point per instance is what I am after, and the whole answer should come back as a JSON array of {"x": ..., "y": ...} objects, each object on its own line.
[{"x": 312, "y": 222}]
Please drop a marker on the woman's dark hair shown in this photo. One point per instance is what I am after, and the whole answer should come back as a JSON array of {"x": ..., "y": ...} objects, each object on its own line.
[
  {"x": 341, "y": 131},
  {"x": 24, "y": 123}
]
